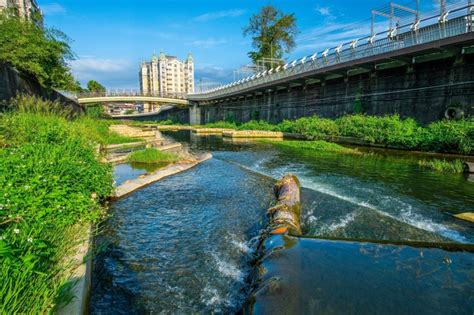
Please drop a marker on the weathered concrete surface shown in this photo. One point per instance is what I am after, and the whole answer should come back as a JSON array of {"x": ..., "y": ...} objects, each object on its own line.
[
  {"x": 253, "y": 134},
  {"x": 212, "y": 131},
  {"x": 133, "y": 185},
  {"x": 423, "y": 91},
  {"x": 172, "y": 147},
  {"x": 466, "y": 216},
  {"x": 469, "y": 167},
  {"x": 14, "y": 82},
  {"x": 174, "y": 127},
  {"x": 132, "y": 132},
  {"x": 80, "y": 275}
]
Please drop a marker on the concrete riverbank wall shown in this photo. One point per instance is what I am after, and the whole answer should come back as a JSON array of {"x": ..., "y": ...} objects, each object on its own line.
[
  {"x": 423, "y": 90},
  {"x": 14, "y": 82}
]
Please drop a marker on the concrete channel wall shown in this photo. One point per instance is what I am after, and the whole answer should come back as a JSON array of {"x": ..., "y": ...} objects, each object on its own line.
[
  {"x": 423, "y": 91},
  {"x": 14, "y": 82}
]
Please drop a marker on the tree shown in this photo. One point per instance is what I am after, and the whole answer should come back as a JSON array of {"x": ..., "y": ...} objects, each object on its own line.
[
  {"x": 95, "y": 87},
  {"x": 273, "y": 33},
  {"x": 43, "y": 53}
]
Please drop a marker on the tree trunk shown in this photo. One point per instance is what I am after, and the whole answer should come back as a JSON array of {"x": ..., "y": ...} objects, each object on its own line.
[{"x": 285, "y": 216}]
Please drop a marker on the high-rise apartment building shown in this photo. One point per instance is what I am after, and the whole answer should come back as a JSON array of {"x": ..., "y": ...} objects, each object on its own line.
[
  {"x": 22, "y": 8},
  {"x": 166, "y": 75}
]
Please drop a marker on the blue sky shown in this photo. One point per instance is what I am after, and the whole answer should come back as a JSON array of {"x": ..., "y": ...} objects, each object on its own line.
[{"x": 111, "y": 38}]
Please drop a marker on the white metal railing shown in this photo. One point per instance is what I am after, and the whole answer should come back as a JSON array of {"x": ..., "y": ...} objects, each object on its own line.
[
  {"x": 129, "y": 92},
  {"x": 458, "y": 20}
]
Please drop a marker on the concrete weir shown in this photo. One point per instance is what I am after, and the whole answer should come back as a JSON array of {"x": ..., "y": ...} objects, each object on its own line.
[
  {"x": 294, "y": 274},
  {"x": 135, "y": 184}
]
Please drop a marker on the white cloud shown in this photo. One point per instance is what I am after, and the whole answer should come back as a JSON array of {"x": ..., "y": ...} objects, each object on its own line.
[
  {"x": 115, "y": 73},
  {"x": 53, "y": 9},
  {"x": 219, "y": 15},
  {"x": 99, "y": 65},
  {"x": 330, "y": 35},
  {"x": 212, "y": 75},
  {"x": 208, "y": 43},
  {"x": 324, "y": 11}
]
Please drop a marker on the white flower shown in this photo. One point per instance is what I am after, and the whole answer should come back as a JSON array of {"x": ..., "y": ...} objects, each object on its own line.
[
  {"x": 2, "y": 238},
  {"x": 1, "y": 206},
  {"x": 30, "y": 240},
  {"x": 16, "y": 231}
]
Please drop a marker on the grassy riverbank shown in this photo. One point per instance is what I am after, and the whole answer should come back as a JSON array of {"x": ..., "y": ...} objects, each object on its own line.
[
  {"x": 50, "y": 182},
  {"x": 441, "y": 136}
]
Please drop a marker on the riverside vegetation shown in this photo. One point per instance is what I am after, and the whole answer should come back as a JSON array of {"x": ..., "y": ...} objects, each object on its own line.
[
  {"x": 453, "y": 136},
  {"x": 440, "y": 136},
  {"x": 51, "y": 183}
]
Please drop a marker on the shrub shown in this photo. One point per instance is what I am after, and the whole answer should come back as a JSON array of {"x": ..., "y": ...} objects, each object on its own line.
[
  {"x": 383, "y": 130},
  {"x": 258, "y": 125},
  {"x": 449, "y": 136},
  {"x": 314, "y": 127}
]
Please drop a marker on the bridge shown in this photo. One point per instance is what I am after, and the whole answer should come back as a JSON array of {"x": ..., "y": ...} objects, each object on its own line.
[
  {"x": 424, "y": 35},
  {"x": 131, "y": 96},
  {"x": 419, "y": 67}
]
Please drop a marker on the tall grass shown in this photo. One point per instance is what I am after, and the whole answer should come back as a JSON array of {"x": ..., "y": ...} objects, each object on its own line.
[
  {"x": 455, "y": 166},
  {"x": 152, "y": 156},
  {"x": 50, "y": 181}
]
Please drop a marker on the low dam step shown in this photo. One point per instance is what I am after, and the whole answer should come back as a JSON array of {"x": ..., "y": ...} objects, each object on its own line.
[{"x": 155, "y": 258}]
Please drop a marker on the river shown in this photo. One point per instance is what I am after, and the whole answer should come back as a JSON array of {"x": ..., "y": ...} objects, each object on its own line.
[{"x": 186, "y": 244}]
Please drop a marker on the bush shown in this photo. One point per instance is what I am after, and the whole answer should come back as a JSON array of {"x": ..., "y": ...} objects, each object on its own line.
[
  {"x": 383, "y": 130},
  {"x": 152, "y": 156},
  {"x": 258, "y": 125},
  {"x": 449, "y": 136},
  {"x": 50, "y": 180},
  {"x": 314, "y": 127}
]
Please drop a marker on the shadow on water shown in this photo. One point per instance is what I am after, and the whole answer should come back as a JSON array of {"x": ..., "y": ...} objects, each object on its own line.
[
  {"x": 333, "y": 277},
  {"x": 185, "y": 244}
]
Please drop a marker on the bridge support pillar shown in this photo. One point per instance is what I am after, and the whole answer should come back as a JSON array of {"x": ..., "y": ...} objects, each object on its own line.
[
  {"x": 146, "y": 107},
  {"x": 194, "y": 115}
]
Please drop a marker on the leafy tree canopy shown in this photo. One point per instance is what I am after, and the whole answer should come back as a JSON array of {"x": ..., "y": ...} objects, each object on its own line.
[
  {"x": 94, "y": 86},
  {"x": 41, "y": 52},
  {"x": 273, "y": 33}
]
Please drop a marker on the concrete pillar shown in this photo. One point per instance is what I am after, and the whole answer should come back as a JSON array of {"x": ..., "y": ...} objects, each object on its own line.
[
  {"x": 194, "y": 115},
  {"x": 146, "y": 107}
]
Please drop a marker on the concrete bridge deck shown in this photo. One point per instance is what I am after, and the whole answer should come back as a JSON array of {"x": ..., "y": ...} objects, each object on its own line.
[{"x": 403, "y": 45}]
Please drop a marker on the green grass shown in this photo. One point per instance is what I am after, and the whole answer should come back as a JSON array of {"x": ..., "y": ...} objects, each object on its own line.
[
  {"x": 221, "y": 124},
  {"x": 152, "y": 156},
  {"x": 50, "y": 182},
  {"x": 318, "y": 146},
  {"x": 445, "y": 166}
]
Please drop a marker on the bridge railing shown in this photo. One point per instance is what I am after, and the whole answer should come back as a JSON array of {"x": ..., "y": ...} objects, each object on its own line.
[
  {"x": 459, "y": 20},
  {"x": 112, "y": 93}
]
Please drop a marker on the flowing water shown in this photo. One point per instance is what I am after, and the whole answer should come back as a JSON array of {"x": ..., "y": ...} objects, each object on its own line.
[{"x": 185, "y": 244}]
